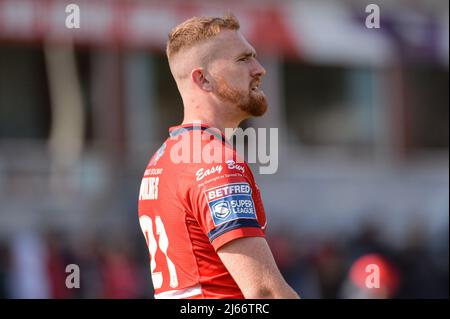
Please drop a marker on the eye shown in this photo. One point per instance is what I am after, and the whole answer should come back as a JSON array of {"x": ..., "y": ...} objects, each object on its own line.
[{"x": 245, "y": 58}]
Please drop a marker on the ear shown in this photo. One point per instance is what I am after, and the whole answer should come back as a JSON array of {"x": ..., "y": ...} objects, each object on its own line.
[{"x": 199, "y": 77}]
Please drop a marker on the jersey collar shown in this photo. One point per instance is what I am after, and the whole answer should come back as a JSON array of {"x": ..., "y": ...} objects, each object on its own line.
[{"x": 180, "y": 129}]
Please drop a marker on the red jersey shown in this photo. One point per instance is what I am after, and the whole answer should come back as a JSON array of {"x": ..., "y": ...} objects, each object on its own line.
[{"x": 189, "y": 209}]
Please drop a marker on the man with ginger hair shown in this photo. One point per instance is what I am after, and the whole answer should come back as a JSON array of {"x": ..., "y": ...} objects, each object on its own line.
[{"x": 204, "y": 222}]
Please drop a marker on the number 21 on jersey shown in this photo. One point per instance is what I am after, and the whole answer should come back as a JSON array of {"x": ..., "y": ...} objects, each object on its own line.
[{"x": 146, "y": 224}]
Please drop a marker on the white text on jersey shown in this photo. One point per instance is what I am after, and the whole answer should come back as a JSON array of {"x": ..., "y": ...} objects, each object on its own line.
[
  {"x": 229, "y": 189},
  {"x": 149, "y": 188},
  {"x": 201, "y": 173}
]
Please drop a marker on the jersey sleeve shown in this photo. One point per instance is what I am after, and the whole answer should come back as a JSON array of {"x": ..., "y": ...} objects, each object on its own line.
[{"x": 226, "y": 202}]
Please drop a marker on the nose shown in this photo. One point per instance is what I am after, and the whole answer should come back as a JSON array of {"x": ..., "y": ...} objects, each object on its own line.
[{"x": 259, "y": 69}]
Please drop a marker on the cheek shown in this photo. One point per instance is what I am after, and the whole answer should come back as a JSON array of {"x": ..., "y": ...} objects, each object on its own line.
[
  {"x": 239, "y": 78},
  {"x": 234, "y": 76}
]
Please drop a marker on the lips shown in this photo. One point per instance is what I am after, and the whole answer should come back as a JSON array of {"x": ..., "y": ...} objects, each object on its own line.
[{"x": 254, "y": 86}]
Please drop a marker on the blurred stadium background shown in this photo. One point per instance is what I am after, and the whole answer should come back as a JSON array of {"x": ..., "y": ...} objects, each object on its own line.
[{"x": 363, "y": 154}]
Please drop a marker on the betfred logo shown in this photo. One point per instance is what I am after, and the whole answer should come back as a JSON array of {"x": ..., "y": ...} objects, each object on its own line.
[
  {"x": 229, "y": 202},
  {"x": 230, "y": 189}
]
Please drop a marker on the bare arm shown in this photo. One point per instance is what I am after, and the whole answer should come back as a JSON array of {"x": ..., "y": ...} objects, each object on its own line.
[{"x": 251, "y": 264}]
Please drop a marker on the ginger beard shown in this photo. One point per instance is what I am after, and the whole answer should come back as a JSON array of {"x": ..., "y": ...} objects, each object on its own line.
[{"x": 252, "y": 102}]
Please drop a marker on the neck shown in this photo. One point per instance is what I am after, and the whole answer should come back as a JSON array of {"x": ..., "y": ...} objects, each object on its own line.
[{"x": 212, "y": 117}]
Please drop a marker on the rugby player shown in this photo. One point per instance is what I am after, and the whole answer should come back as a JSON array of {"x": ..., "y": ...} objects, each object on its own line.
[{"x": 204, "y": 222}]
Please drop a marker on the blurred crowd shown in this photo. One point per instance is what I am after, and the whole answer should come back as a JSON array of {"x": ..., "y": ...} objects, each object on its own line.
[
  {"x": 33, "y": 265},
  {"x": 335, "y": 267}
]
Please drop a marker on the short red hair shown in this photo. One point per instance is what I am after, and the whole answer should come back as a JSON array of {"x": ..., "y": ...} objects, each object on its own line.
[{"x": 198, "y": 29}]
